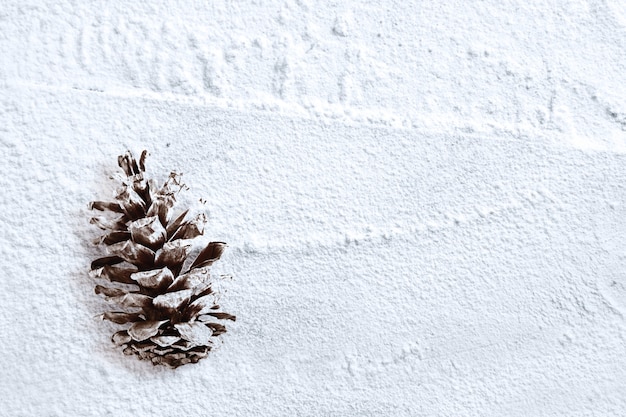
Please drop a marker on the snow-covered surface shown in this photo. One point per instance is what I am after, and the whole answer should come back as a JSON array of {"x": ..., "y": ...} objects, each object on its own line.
[{"x": 425, "y": 203}]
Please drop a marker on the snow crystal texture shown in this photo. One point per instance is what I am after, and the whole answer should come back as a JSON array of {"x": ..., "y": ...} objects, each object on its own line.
[{"x": 425, "y": 203}]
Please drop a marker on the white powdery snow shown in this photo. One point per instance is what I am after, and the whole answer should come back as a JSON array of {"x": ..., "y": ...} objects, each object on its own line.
[{"x": 424, "y": 203}]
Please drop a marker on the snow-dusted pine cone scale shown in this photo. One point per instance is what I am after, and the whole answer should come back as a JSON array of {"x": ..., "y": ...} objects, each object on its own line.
[{"x": 164, "y": 299}]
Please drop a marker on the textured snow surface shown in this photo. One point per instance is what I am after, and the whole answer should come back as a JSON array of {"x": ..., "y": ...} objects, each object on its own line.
[{"x": 425, "y": 203}]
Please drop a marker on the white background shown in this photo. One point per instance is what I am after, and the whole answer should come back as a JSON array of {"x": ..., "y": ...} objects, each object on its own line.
[{"x": 425, "y": 203}]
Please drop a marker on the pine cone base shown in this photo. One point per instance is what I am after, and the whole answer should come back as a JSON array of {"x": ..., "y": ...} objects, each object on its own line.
[{"x": 170, "y": 357}]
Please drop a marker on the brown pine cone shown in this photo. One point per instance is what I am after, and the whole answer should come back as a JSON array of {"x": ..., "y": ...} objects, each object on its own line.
[{"x": 164, "y": 299}]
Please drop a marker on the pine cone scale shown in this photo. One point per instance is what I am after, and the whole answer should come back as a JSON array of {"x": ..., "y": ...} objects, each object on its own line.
[{"x": 155, "y": 279}]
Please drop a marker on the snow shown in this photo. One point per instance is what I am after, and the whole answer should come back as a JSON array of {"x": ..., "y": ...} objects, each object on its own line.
[{"x": 424, "y": 203}]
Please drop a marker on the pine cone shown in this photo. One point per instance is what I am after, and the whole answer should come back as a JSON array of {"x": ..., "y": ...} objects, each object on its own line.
[{"x": 164, "y": 299}]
